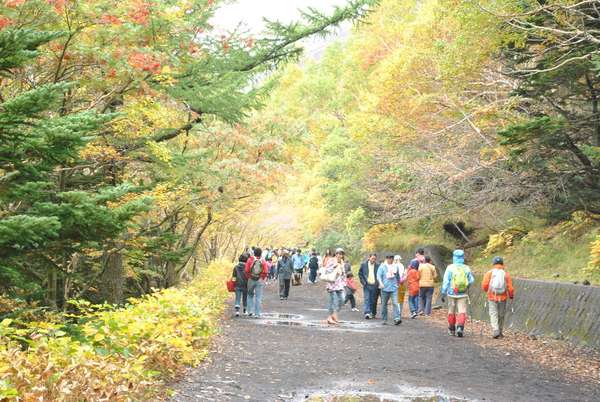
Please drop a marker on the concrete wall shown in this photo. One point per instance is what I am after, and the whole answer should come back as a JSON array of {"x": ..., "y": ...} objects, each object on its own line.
[{"x": 557, "y": 310}]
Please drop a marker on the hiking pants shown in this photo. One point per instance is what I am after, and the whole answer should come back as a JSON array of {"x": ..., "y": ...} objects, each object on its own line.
[
  {"x": 255, "y": 294},
  {"x": 497, "y": 312},
  {"x": 425, "y": 298},
  {"x": 241, "y": 296},
  {"x": 335, "y": 301},
  {"x": 369, "y": 294},
  {"x": 350, "y": 298},
  {"x": 393, "y": 296},
  {"x": 312, "y": 277},
  {"x": 457, "y": 311},
  {"x": 284, "y": 287}
]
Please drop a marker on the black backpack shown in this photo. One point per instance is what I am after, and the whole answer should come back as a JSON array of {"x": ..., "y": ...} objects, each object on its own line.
[{"x": 313, "y": 263}]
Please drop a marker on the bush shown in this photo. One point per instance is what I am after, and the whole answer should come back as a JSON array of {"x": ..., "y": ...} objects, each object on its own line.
[{"x": 113, "y": 354}]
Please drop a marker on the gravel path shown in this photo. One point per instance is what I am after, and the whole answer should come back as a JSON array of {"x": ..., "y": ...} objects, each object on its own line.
[{"x": 281, "y": 360}]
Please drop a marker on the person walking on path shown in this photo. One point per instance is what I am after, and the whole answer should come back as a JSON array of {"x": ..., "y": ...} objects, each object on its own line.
[
  {"x": 499, "y": 287},
  {"x": 313, "y": 266},
  {"x": 256, "y": 272},
  {"x": 412, "y": 281},
  {"x": 298, "y": 263},
  {"x": 328, "y": 256},
  {"x": 388, "y": 278},
  {"x": 241, "y": 285},
  {"x": 285, "y": 270},
  {"x": 457, "y": 280},
  {"x": 419, "y": 257},
  {"x": 367, "y": 274},
  {"x": 350, "y": 290},
  {"x": 401, "y": 286},
  {"x": 427, "y": 278},
  {"x": 336, "y": 280}
]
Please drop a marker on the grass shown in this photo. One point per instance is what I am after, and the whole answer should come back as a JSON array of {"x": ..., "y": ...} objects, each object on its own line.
[{"x": 548, "y": 254}]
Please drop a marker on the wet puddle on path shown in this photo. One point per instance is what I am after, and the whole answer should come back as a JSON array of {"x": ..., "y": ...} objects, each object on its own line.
[
  {"x": 343, "y": 325},
  {"x": 409, "y": 395},
  {"x": 283, "y": 316}
]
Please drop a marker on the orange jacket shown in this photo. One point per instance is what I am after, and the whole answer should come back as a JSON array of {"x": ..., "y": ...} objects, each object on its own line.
[
  {"x": 412, "y": 278},
  {"x": 485, "y": 285}
]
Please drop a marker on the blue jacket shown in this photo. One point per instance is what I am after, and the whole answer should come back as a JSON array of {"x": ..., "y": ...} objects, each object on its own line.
[
  {"x": 446, "y": 286},
  {"x": 298, "y": 262},
  {"x": 363, "y": 272},
  {"x": 389, "y": 284}
]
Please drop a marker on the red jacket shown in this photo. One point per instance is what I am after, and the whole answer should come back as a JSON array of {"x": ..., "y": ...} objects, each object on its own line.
[
  {"x": 412, "y": 279},
  {"x": 250, "y": 262}
]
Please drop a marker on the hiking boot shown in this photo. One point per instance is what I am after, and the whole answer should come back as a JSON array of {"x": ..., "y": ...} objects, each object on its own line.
[
  {"x": 460, "y": 331},
  {"x": 367, "y": 316},
  {"x": 496, "y": 335},
  {"x": 397, "y": 322}
]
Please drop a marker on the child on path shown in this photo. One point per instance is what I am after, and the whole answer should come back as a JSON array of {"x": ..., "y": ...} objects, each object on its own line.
[
  {"x": 498, "y": 285},
  {"x": 412, "y": 278},
  {"x": 350, "y": 290}
]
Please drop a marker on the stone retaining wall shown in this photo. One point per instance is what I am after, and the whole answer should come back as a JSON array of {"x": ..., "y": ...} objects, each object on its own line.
[{"x": 557, "y": 310}]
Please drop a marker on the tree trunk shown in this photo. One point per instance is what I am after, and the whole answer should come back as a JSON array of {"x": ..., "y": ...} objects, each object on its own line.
[
  {"x": 112, "y": 279},
  {"x": 52, "y": 288}
]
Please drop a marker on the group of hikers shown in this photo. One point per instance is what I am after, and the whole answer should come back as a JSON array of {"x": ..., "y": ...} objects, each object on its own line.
[{"x": 385, "y": 282}]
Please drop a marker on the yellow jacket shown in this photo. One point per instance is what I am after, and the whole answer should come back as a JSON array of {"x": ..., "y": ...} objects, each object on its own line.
[{"x": 427, "y": 275}]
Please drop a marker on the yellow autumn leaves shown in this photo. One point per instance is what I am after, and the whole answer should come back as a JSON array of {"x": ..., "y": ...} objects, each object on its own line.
[{"x": 114, "y": 355}]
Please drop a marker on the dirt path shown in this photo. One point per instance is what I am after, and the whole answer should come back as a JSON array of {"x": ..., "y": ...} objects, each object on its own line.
[{"x": 292, "y": 360}]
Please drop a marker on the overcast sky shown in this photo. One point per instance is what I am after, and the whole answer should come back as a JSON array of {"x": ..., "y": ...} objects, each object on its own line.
[{"x": 252, "y": 12}]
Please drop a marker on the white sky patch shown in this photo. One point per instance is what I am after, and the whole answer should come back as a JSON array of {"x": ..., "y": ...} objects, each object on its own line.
[{"x": 251, "y": 13}]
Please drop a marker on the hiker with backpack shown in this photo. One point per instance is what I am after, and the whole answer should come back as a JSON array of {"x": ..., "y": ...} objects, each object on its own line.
[
  {"x": 427, "y": 278},
  {"x": 367, "y": 274},
  {"x": 256, "y": 271},
  {"x": 313, "y": 266},
  {"x": 498, "y": 285},
  {"x": 457, "y": 280},
  {"x": 334, "y": 276},
  {"x": 285, "y": 269},
  {"x": 388, "y": 278},
  {"x": 241, "y": 285}
]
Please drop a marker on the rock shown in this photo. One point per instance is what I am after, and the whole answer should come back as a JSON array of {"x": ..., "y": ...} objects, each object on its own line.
[
  {"x": 555, "y": 275},
  {"x": 586, "y": 283}
]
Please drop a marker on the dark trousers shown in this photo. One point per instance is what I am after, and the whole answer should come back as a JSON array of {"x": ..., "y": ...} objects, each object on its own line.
[
  {"x": 376, "y": 296},
  {"x": 350, "y": 297},
  {"x": 312, "y": 276},
  {"x": 284, "y": 287},
  {"x": 372, "y": 293}
]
